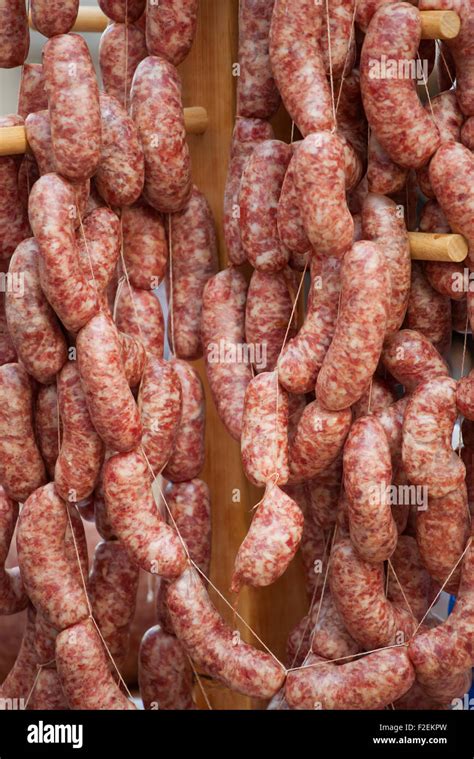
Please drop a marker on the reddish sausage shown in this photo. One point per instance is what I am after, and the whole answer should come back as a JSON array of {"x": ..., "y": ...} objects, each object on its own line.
[
  {"x": 170, "y": 28},
  {"x": 14, "y": 34},
  {"x": 32, "y": 95},
  {"x": 121, "y": 48},
  {"x": 165, "y": 675},
  {"x": 408, "y": 580},
  {"x": 187, "y": 455},
  {"x": 123, "y": 10},
  {"x": 14, "y": 225},
  {"x": 257, "y": 93},
  {"x": 159, "y": 402},
  {"x": 428, "y": 311},
  {"x": 46, "y": 422},
  {"x": 12, "y": 593},
  {"x": 138, "y": 313},
  {"x": 317, "y": 441},
  {"x": 52, "y": 17},
  {"x": 411, "y": 359},
  {"x": 145, "y": 247}
]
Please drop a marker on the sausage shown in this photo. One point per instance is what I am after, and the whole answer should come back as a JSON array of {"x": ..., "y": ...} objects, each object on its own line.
[
  {"x": 467, "y": 133},
  {"x": 351, "y": 121},
  {"x": 260, "y": 188},
  {"x": 187, "y": 455},
  {"x": 157, "y": 110},
  {"x": 84, "y": 672},
  {"x": 329, "y": 637},
  {"x": 12, "y": 593},
  {"x": 428, "y": 311},
  {"x": 135, "y": 519},
  {"x": 46, "y": 423},
  {"x": 212, "y": 644},
  {"x": 391, "y": 419},
  {"x": 338, "y": 38},
  {"x": 7, "y": 351},
  {"x": 71, "y": 88},
  {"x": 394, "y": 34},
  {"x": 411, "y": 359},
  {"x": 366, "y": 9},
  {"x": 120, "y": 175},
  {"x": 193, "y": 261},
  {"x": 442, "y": 531},
  {"x": 111, "y": 405},
  {"x": 99, "y": 242},
  {"x": 291, "y": 230},
  {"x": 323, "y": 494},
  {"x": 257, "y": 93},
  {"x": 165, "y": 675},
  {"x": 384, "y": 175},
  {"x": 445, "y": 277},
  {"x": 32, "y": 95},
  {"x": 271, "y": 542},
  {"x": 14, "y": 225},
  {"x": 246, "y": 135},
  {"x": 170, "y": 28},
  {"x": 448, "y": 118},
  {"x": 190, "y": 507},
  {"x": 145, "y": 248},
  {"x": 407, "y": 567},
  {"x": 297, "y": 64},
  {"x": 21, "y": 466},
  {"x": 159, "y": 403},
  {"x": 112, "y": 589},
  {"x": 133, "y": 358},
  {"x": 367, "y": 479},
  {"x": 123, "y": 10},
  {"x": 428, "y": 458},
  {"x": 365, "y": 292},
  {"x": 357, "y": 588},
  {"x": 50, "y": 576},
  {"x": 15, "y": 35},
  {"x": 302, "y": 357},
  {"x": 382, "y": 223},
  {"x": 444, "y": 653},
  {"x": 264, "y": 442},
  {"x": 452, "y": 180},
  {"x": 48, "y": 693},
  {"x": 32, "y": 323},
  {"x": 80, "y": 456},
  {"x": 314, "y": 557},
  {"x": 19, "y": 681},
  {"x": 121, "y": 48},
  {"x": 459, "y": 316},
  {"x": 51, "y": 17},
  {"x": 377, "y": 397},
  {"x": 52, "y": 209},
  {"x": 372, "y": 682},
  {"x": 102, "y": 521},
  {"x": 317, "y": 441},
  {"x": 321, "y": 185},
  {"x": 138, "y": 313},
  {"x": 223, "y": 320}
]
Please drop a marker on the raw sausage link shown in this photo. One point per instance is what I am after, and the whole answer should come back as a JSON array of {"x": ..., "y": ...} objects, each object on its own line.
[
  {"x": 264, "y": 442},
  {"x": 32, "y": 323},
  {"x": 246, "y": 135},
  {"x": 384, "y": 175},
  {"x": 122, "y": 47},
  {"x": 50, "y": 575},
  {"x": 135, "y": 518},
  {"x": 317, "y": 441},
  {"x": 133, "y": 358},
  {"x": 112, "y": 590},
  {"x": 373, "y": 682},
  {"x": 157, "y": 110},
  {"x": 51, "y": 17},
  {"x": 187, "y": 455},
  {"x": 165, "y": 675},
  {"x": 48, "y": 693},
  {"x": 21, "y": 466},
  {"x": 297, "y": 64},
  {"x": 159, "y": 403},
  {"x": 351, "y": 121},
  {"x": 145, "y": 247},
  {"x": 99, "y": 247},
  {"x": 428, "y": 311},
  {"x": 14, "y": 225},
  {"x": 412, "y": 576},
  {"x": 382, "y": 223},
  {"x": 360, "y": 329},
  {"x": 14, "y": 35},
  {"x": 46, "y": 423},
  {"x": 428, "y": 458},
  {"x": 193, "y": 261},
  {"x": 84, "y": 671},
  {"x": 445, "y": 277},
  {"x": 448, "y": 118},
  {"x": 267, "y": 316},
  {"x": 52, "y": 210},
  {"x": 72, "y": 88},
  {"x": 257, "y": 93},
  {"x": 337, "y": 37},
  {"x": 213, "y": 645},
  {"x": 111, "y": 405},
  {"x": 271, "y": 542},
  {"x": 190, "y": 506},
  {"x": 411, "y": 359},
  {"x": 321, "y": 185},
  {"x": 12, "y": 593},
  {"x": 120, "y": 175},
  {"x": 102, "y": 521},
  {"x": 138, "y": 313},
  {"x": 32, "y": 95},
  {"x": 170, "y": 28},
  {"x": 323, "y": 493},
  {"x": 260, "y": 189},
  {"x": 81, "y": 453},
  {"x": 367, "y": 479},
  {"x": 330, "y": 638},
  {"x": 394, "y": 33},
  {"x": 289, "y": 220},
  {"x": 378, "y": 396},
  {"x": 123, "y": 10},
  {"x": 303, "y": 356},
  {"x": 19, "y": 681},
  {"x": 223, "y": 336}
]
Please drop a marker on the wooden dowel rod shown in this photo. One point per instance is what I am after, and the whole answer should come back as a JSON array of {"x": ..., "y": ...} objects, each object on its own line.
[
  {"x": 13, "y": 139},
  {"x": 439, "y": 25},
  {"x": 436, "y": 247},
  {"x": 88, "y": 19}
]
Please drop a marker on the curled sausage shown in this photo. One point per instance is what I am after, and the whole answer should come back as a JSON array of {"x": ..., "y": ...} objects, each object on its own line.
[
  {"x": 187, "y": 454},
  {"x": 15, "y": 35},
  {"x": 411, "y": 359},
  {"x": 145, "y": 247},
  {"x": 84, "y": 671},
  {"x": 317, "y": 441},
  {"x": 111, "y": 405},
  {"x": 170, "y": 28},
  {"x": 165, "y": 674},
  {"x": 21, "y": 466},
  {"x": 51, "y": 17},
  {"x": 135, "y": 518},
  {"x": 257, "y": 93},
  {"x": 122, "y": 47},
  {"x": 360, "y": 329},
  {"x": 138, "y": 313},
  {"x": 213, "y": 645}
]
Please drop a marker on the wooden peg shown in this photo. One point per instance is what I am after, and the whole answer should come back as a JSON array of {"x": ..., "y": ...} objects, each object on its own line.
[
  {"x": 88, "y": 19},
  {"x": 436, "y": 247},
  {"x": 439, "y": 25}
]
